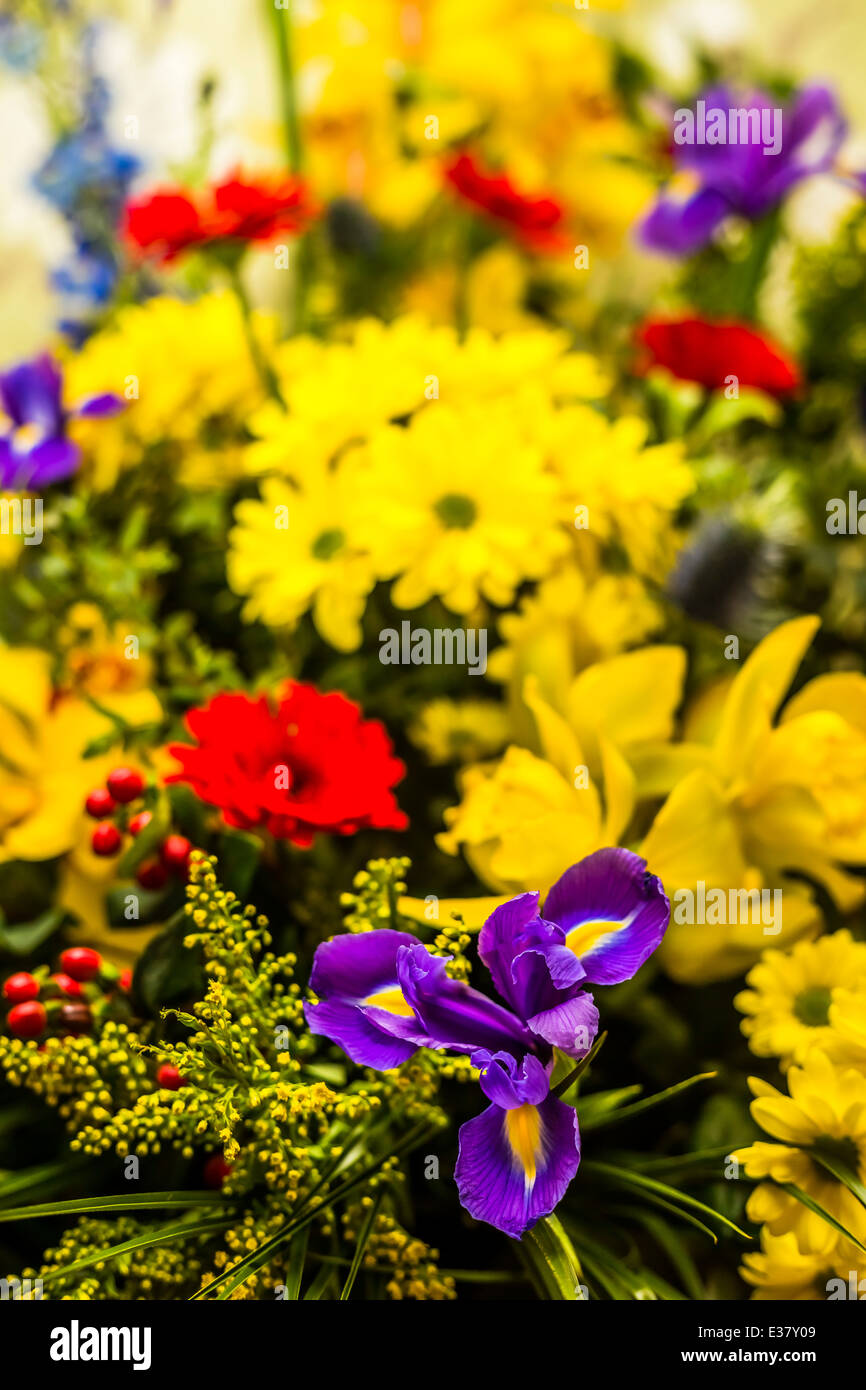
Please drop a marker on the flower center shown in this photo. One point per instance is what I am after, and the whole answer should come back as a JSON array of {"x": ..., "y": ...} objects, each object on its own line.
[
  {"x": 812, "y": 1007},
  {"x": 392, "y": 1001},
  {"x": 456, "y": 511},
  {"x": 523, "y": 1130},
  {"x": 328, "y": 543}
]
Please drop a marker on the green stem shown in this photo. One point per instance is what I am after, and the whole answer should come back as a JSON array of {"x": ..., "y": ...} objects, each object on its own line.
[
  {"x": 281, "y": 22},
  {"x": 264, "y": 370}
]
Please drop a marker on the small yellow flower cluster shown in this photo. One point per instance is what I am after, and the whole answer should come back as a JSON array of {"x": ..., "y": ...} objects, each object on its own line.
[
  {"x": 86, "y": 1079},
  {"x": 153, "y": 1272},
  {"x": 409, "y": 1265},
  {"x": 808, "y": 1007}
]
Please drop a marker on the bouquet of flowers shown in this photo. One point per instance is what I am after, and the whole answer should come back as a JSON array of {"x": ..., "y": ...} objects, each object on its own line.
[{"x": 432, "y": 643}]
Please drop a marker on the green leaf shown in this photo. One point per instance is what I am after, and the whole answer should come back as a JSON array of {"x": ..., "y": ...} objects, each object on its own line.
[
  {"x": 553, "y": 1259},
  {"x": 600, "y": 1102},
  {"x": 238, "y": 854},
  {"x": 840, "y": 1170},
  {"x": 145, "y": 1201},
  {"x": 319, "y": 1285},
  {"x": 166, "y": 969},
  {"x": 363, "y": 1237},
  {"x": 623, "y": 1177},
  {"x": 563, "y": 1089},
  {"x": 23, "y": 938},
  {"x": 295, "y": 1267},
  {"x": 146, "y": 844},
  {"x": 626, "y": 1112},
  {"x": 22, "y": 1180}
]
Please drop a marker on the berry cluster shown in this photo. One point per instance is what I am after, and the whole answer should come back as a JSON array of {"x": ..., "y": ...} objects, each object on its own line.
[
  {"x": 68, "y": 1002},
  {"x": 112, "y": 806}
]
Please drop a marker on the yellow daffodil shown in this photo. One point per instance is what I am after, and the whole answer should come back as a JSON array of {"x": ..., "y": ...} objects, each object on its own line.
[
  {"x": 44, "y": 777},
  {"x": 791, "y": 994},
  {"x": 758, "y": 801}
]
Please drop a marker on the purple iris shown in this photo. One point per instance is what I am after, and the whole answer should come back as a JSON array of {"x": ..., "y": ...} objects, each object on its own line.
[
  {"x": 751, "y": 175},
  {"x": 382, "y": 995},
  {"x": 34, "y": 448}
]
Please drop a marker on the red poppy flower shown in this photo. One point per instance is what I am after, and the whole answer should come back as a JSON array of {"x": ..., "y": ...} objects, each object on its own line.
[
  {"x": 165, "y": 223},
  {"x": 710, "y": 353},
  {"x": 533, "y": 220},
  {"x": 307, "y": 764}
]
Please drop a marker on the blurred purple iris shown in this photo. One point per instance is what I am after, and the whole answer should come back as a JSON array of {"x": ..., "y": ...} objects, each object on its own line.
[
  {"x": 34, "y": 448},
  {"x": 382, "y": 995},
  {"x": 744, "y": 178}
]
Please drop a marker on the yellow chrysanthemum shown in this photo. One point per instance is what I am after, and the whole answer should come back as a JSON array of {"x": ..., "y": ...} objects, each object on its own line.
[
  {"x": 791, "y": 994},
  {"x": 346, "y": 392},
  {"x": 780, "y": 1270},
  {"x": 759, "y": 800},
  {"x": 185, "y": 370},
  {"x": 824, "y": 1110},
  {"x": 460, "y": 730},
  {"x": 295, "y": 550},
  {"x": 615, "y": 486},
  {"x": 457, "y": 508}
]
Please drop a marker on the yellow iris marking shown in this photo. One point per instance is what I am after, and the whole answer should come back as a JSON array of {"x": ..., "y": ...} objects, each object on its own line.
[
  {"x": 523, "y": 1131},
  {"x": 27, "y": 436},
  {"x": 590, "y": 934},
  {"x": 392, "y": 1001}
]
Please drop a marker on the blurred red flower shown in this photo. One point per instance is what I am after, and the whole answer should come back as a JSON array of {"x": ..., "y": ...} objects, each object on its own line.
[
  {"x": 307, "y": 764},
  {"x": 169, "y": 221},
  {"x": 695, "y": 349},
  {"x": 534, "y": 220}
]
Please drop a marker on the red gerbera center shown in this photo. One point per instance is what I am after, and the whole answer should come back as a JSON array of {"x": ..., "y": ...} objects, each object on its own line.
[{"x": 307, "y": 764}]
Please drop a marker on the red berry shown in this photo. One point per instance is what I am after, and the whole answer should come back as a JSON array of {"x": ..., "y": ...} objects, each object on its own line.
[
  {"x": 65, "y": 983},
  {"x": 216, "y": 1170},
  {"x": 99, "y": 804},
  {"x": 125, "y": 979},
  {"x": 27, "y": 1020},
  {"x": 106, "y": 839},
  {"x": 170, "y": 1078},
  {"x": 151, "y": 874},
  {"x": 21, "y": 987},
  {"x": 125, "y": 784},
  {"x": 137, "y": 823},
  {"x": 175, "y": 852},
  {"x": 81, "y": 962}
]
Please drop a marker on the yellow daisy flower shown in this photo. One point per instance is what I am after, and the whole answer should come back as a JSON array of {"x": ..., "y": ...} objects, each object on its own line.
[
  {"x": 458, "y": 508},
  {"x": 295, "y": 549},
  {"x": 791, "y": 993}
]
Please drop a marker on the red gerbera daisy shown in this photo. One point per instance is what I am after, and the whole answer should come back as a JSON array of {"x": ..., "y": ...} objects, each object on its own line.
[
  {"x": 308, "y": 763},
  {"x": 694, "y": 349},
  {"x": 169, "y": 221},
  {"x": 534, "y": 220}
]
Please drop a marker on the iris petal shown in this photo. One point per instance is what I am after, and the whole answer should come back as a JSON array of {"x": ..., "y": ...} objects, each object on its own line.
[{"x": 514, "y": 1166}]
